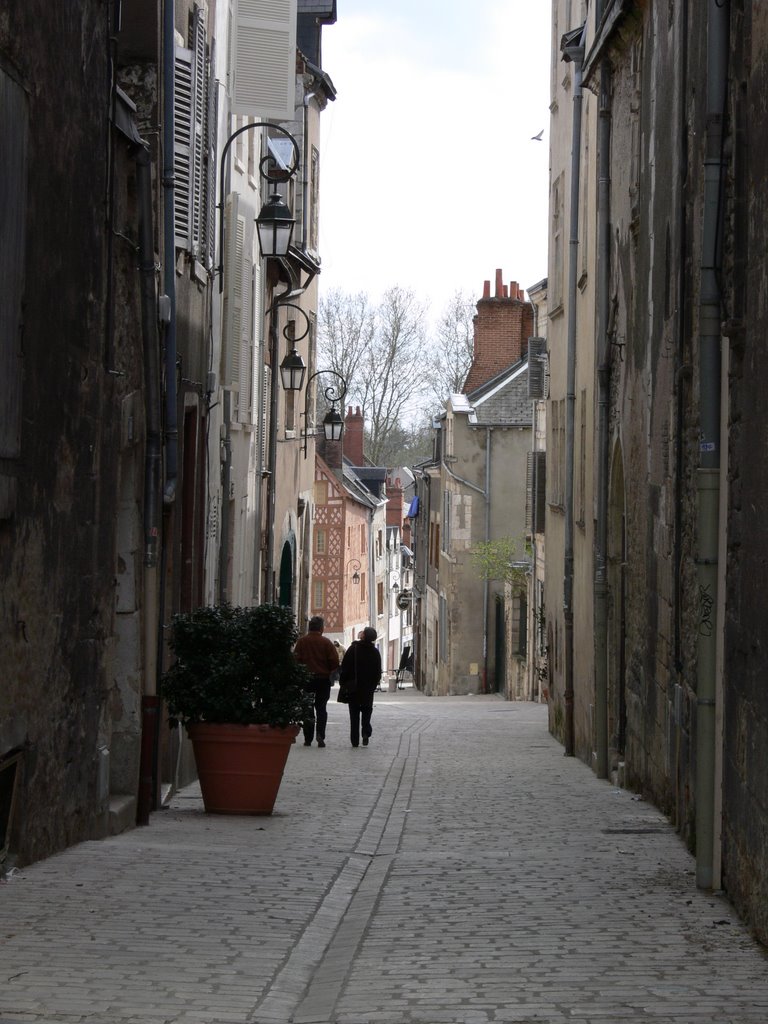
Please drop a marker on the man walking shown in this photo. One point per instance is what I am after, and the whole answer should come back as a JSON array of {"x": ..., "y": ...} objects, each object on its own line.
[{"x": 319, "y": 655}]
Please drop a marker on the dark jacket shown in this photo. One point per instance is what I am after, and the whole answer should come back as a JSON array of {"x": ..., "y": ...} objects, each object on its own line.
[
  {"x": 318, "y": 653},
  {"x": 362, "y": 662}
]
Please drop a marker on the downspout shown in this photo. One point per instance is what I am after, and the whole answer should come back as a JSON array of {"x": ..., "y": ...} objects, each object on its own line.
[
  {"x": 708, "y": 473},
  {"x": 682, "y": 376},
  {"x": 533, "y": 690},
  {"x": 225, "y": 469},
  {"x": 257, "y": 568},
  {"x": 487, "y": 586},
  {"x": 269, "y": 575},
  {"x": 169, "y": 253},
  {"x": 603, "y": 384},
  {"x": 574, "y": 53},
  {"x": 146, "y": 799},
  {"x": 305, "y": 176}
]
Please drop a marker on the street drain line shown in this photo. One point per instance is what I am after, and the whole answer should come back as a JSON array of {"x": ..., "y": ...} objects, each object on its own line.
[{"x": 308, "y": 986}]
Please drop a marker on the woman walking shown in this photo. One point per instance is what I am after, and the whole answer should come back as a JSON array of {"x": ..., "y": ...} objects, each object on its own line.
[{"x": 360, "y": 675}]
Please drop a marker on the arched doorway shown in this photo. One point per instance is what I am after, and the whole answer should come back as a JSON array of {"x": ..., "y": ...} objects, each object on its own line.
[
  {"x": 617, "y": 585},
  {"x": 285, "y": 586}
]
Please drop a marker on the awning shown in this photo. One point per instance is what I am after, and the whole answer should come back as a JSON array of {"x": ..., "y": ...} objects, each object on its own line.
[{"x": 413, "y": 508}]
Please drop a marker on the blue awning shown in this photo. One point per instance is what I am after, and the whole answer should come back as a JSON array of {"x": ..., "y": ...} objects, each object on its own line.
[{"x": 413, "y": 508}]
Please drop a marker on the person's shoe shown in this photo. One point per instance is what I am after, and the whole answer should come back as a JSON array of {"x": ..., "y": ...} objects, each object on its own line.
[
  {"x": 321, "y": 743},
  {"x": 365, "y": 741},
  {"x": 355, "y": 744},
  {"x": 307, "y": 743}
]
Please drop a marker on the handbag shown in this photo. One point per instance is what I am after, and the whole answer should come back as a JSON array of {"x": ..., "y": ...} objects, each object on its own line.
[{"x": 348, "y": 687}]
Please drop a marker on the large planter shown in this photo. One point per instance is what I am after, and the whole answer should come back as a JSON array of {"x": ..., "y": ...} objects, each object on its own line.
[{"x": 240, "y": 767}]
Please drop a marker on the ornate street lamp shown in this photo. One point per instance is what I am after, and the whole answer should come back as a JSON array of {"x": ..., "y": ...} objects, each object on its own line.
[
  {"x": 356, "y": 569},
  {"x": 333, "y": 423},
  {"x": 275, "y": 222},
  {"x": 293, "y": 367}
]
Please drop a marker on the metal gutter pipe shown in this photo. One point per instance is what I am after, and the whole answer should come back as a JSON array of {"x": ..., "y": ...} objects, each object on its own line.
[
  {"x": 487, "y": 587},
  {"x": 708, "y": 473},
  {"x": 152, "y": 486},
  {"x": 169, "y": 253},
  {"x": 269, "y": 574},
  {"x": 305, "y": 176},
  {"x": 603, "y": 447},
  {"x": 225, "y": 468},
  {"x": 575, "y": 54}
]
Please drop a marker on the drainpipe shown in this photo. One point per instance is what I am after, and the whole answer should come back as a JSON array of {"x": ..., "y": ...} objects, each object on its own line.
[
  {"x": 708, "y": 473},
  {"x": 169, "y": 251},
  {"x": 532, "y": 685},
  {"x": 146, "y": 799},
  {"x": 262, "y": 442},
  {"x": 305, "y": 176},
  {"x": 487, "y": 586},
  {"x": 683, "y": 375},
  {"x": 225, "y": 468},
  {"x": 574, "y": 53},
  {"x": 269, "y": 575},
  {"x": 603, "y": 382}
]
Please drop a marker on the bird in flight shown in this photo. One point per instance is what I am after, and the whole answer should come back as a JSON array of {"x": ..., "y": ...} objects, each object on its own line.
[{"x": 537, "y": 138}]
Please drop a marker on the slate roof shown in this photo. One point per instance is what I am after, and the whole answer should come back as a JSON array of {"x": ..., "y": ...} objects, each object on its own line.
[{"x": 504, "y": 398}]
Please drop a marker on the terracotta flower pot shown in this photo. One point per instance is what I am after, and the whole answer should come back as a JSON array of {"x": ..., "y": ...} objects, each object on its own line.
[{"x": 240, "y": 767}]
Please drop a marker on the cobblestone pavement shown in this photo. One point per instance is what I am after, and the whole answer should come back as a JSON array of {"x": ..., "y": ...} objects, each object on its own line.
[{"x": 460, "y": 870}]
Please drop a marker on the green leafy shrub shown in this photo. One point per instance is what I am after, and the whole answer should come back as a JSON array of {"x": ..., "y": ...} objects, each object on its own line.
[{"x": 236, "y": 665}]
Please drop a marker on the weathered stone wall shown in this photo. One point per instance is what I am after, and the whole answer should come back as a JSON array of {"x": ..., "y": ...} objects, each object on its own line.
[
  {"x": 57, "y": 548},
  {"x": 745, "y": 769}
]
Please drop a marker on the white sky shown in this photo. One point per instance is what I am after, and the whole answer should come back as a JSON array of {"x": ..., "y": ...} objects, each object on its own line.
[{"x": 429, "y": 177}]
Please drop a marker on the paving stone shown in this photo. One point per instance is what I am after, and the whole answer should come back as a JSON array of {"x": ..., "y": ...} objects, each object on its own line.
[{"x": 464, "y": 873}]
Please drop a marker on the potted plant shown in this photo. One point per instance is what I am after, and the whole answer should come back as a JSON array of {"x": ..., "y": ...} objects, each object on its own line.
[{"x": 238, "y": 689}]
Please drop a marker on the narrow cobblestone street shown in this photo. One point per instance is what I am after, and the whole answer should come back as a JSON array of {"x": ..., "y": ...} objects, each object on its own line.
[{"x": 460, "y": 869}]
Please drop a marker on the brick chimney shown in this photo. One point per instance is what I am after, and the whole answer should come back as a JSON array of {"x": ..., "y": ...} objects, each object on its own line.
[
  {"x": 354, "y": 423},
  {"x": 503, "y": 324},
  {"x": 395, "y": 510}
]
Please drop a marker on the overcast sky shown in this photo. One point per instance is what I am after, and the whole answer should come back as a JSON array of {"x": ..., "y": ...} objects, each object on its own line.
[{"x": 429, "y": 176}]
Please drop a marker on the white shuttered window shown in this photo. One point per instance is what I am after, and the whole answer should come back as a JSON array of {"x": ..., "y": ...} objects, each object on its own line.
[{"x": 264, "y": 58}]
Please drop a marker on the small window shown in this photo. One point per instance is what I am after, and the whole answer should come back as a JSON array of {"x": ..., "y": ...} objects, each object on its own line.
[
  {"x": 379, "y": 598},
  {"x": 318, "y": 595},
  {"x": 321, "y": 542}
]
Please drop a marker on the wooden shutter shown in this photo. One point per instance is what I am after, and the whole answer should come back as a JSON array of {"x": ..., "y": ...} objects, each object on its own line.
[
  {"x": 197, "y": 135},
  {"x": 183, "y": 105},
  {"x": 211, "y": 128},
  {"x": 247, "y": 323},
  {"x": 233, "y": 295},
  {"x": 537, "y": 368},
  {"x": 535, "y": 491},
  {"x": 266, "y": 392},
  {"x": 264, "y": 59}
]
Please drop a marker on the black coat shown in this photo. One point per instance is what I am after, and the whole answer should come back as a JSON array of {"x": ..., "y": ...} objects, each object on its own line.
[{"x": 362, "y": 662}]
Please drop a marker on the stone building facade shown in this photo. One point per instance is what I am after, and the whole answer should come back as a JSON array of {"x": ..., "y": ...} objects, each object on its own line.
[
  {"x": 473, "y": 492},
  {"x": 137, "y": 411},
  {"x": 673, "y": 706}
]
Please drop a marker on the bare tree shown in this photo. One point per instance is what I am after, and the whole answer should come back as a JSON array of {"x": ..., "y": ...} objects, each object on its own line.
[
  {"x": 395, "y": 374},
  {"x": 381, "y": 355},
  {"x": 452, "y": 350},
  {"x": 345, "y": 334}
]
